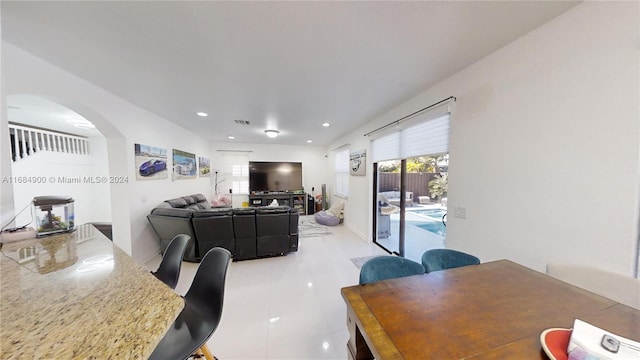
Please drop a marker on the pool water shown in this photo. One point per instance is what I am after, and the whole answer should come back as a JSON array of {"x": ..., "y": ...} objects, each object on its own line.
[
  {"x": 429, "y": 219},
  {"x": 432, "y": 213},
  {"x": 435, "y": 227}
]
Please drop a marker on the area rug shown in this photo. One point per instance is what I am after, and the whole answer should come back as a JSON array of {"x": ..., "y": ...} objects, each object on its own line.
[
  {"x": 308, "y": 227},
  {"x": 359, "y": 261}
]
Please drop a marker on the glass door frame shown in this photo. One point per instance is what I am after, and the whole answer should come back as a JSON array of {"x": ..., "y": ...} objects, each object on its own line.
[{"x": 401, "y": 230}]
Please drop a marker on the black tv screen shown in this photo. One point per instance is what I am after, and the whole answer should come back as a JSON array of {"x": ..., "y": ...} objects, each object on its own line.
[{"x": 275, "y": 176}]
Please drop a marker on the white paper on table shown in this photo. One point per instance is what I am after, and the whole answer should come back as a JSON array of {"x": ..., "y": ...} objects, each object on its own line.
[{"x": 586, "y": 344}]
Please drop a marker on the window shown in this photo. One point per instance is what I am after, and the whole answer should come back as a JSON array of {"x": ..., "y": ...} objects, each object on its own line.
[
  {"x": 342, "y": 172},
  {"x": 236, "y": 173}
]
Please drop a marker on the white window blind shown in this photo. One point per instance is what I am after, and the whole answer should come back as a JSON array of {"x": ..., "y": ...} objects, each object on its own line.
[
  {"x": 431, "y": 137},
  {"x": 236, "y": 173},
  {"x": 342, "y": 172},
  {"x": 423, "y": 138},
  {"x": 386, "y": 147}
]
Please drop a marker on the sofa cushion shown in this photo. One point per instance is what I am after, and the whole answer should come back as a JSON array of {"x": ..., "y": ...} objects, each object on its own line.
[
  {"x": 177, "y": 203},
  {"x": 199, "y": 198},
  {"x": 189, "y": 200},
  {"x": 244, "y": 211},
  {"x": 183, "y": 213},
  {"x": 272, "y": 210},
  {"x": 336, "y": 209},
  {"x": 203, "y": 205},
  {"x": 213, "y": 212}
]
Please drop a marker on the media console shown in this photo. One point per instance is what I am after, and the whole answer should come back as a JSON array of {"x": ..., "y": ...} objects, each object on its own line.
[{"x": 292, "y": 200}]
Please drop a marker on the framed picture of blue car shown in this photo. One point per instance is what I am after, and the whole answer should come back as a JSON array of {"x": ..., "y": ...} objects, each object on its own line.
[
  {"x": 152, "y": 166},
  {"x": 151, "y": 162}
]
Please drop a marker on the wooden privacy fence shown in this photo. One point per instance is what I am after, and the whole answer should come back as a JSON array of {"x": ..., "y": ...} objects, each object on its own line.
[{"x": 417, "y": 183}]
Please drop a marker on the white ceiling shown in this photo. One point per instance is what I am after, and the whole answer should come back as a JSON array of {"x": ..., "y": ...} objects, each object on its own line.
[
  {"x": 288, "y": 66},
  {"x": 46, "y": 114}
]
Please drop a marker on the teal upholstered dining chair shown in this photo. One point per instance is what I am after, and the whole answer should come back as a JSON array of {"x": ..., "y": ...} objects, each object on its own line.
[
  {"x": 388, "y": 267},
  {"x": 440, "y": 259}
]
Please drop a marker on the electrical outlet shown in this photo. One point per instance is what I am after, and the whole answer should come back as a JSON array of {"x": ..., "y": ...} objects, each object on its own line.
[{"x": 460, "y": 212}]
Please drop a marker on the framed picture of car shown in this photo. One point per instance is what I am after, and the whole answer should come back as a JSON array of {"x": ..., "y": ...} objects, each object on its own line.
[
  {"x": 204, "y": 167},
  {"x": 151, "y": 162},
  {"x": 184, "y": 165}
]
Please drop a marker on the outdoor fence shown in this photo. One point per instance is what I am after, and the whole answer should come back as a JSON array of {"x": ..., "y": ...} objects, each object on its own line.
[{"x": 417, "y": 183}]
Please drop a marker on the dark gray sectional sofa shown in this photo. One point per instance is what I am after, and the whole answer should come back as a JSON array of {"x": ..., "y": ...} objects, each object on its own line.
[{"x": 248, "y": 233}]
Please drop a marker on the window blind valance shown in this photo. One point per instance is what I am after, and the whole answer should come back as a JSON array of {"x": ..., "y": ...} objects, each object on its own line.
[{"x": 426, "y": 138}]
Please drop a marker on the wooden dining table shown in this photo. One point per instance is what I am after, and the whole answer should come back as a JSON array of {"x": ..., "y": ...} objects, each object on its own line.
[
  {"x": 495, "y": 310},
  {"x": 78, "y": 296}
]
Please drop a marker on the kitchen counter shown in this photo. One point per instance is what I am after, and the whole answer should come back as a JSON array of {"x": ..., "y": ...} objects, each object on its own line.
[{"x": 78, "y": 296}]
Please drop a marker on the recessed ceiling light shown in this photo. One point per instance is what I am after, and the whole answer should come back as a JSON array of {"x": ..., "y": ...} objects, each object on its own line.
[
  {"x": 230, "y": 137},
  {"x": 202, "y": 114},
  {"x": 272, "y": 133},
  {"x": 326, "y": 124},
  {"x": 309, "y": 141}
]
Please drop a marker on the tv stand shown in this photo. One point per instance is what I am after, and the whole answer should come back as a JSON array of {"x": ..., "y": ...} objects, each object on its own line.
[{"x": 293, "y": 200}]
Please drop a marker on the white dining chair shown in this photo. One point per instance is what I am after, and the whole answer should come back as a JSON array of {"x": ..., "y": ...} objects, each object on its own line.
[{"x": 621, "y": 288}]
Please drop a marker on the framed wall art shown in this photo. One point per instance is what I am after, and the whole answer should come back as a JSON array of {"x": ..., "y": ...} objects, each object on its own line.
[
  {"x": 358, "y": 162},
  {"x": 184, "y": 165},
  {"x": 151, "y": 162}
]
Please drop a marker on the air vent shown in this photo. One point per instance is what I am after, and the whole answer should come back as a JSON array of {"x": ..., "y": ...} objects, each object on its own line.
[{"x": 241, "y": 122}]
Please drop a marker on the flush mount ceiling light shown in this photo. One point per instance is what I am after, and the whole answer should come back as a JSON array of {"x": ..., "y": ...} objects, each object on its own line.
[
  {"x": 231, "y": 137},
  {"x": 202, "y": 114},
  {"x": 309, "y": 141},
  {"x": 326, "y": 124},
  {"x": 272, "y": 133}
]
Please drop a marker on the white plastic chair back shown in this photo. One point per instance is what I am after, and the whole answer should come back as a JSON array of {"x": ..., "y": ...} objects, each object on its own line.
[{"x": 621, "y": 288}]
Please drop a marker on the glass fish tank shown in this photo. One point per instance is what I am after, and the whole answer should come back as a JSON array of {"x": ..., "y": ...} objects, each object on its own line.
[{"x": 53, "y": 214}]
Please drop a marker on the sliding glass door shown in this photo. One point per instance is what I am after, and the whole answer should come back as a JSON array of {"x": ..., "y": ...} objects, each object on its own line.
[
  {"x": 409, "y": 228},
  {"x": 387, "y": 184},
  {"x": 410, "y": 184}
]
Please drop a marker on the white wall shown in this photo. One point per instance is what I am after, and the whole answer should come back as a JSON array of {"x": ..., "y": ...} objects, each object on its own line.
[
  {"x": 544, "y": 144},
  {"x": 99, "y": 154},
  {"x": 314, "y": 162},
  {"x": 56, "y": 174},
  {"x": 6, "y": 188},
  {"x": 123, "y": 124},
  {"x": 357, "y": 213}
]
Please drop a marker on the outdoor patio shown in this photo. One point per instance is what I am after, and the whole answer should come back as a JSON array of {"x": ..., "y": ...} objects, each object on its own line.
[{"x": 417, "y": 239}]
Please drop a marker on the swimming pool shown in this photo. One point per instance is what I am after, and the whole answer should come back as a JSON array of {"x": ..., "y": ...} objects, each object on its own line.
[
  {"x": 428, "y": 219},
  {"x": 431, "y": 213}
]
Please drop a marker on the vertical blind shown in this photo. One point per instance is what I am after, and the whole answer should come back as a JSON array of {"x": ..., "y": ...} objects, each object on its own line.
[{"x": 422, "y": 138}]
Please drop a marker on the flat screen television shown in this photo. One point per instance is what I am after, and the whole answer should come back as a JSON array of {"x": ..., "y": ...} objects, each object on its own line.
[{"x": 275, "y": 176}]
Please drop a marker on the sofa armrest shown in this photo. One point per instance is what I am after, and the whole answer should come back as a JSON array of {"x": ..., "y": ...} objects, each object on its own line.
[{"x": 181, "y": 213}]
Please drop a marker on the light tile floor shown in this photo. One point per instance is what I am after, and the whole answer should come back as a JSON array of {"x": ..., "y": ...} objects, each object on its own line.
[{"x": 287, "y": 307}]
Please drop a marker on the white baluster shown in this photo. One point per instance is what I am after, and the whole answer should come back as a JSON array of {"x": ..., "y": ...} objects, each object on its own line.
[
  {"x": 15, "y": 145},
  {"x": 23, "y": 139},
  {"x": 30, "y": 142},
  {"x": 37, "y": 142}
]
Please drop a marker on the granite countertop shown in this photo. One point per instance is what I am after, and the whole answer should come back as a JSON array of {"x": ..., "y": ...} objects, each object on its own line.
[{"x": 78, "y": 296}]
